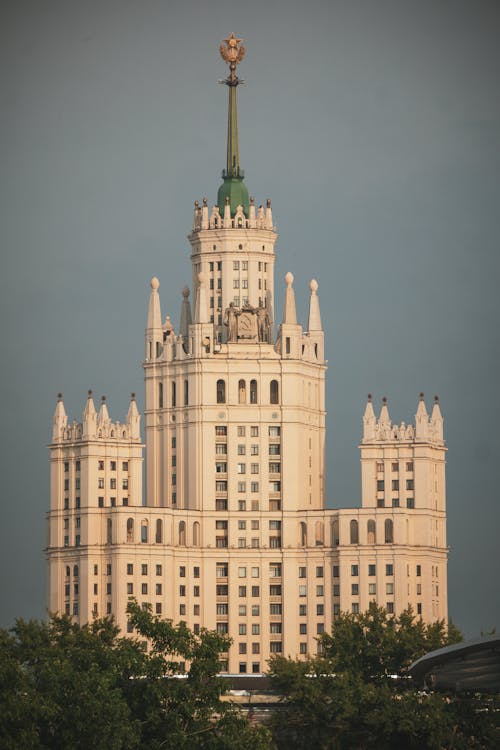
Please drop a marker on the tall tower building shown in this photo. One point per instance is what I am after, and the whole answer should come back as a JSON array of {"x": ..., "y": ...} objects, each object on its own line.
[{"x": 232, "y": 532}]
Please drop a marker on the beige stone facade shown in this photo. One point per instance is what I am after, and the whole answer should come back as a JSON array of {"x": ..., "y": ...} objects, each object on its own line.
[{"x": 231, "y": 530}]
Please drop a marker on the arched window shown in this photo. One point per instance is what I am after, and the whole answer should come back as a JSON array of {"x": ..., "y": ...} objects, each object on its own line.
[
  {"x": 130, "y": 530},
  {"x": 182, "y": 533},
  {"x": 160, "y": 395},
  {"x": 75, "y": 571},
  {"x": 196, "y": 534},
  {"x": 371, "y": 532},
  {"x": 319, "y": 533},
  {"x": 242, "y": 392},
  {"x": 221, "y": 391},
  {"x": 388, "y": 531},
  {"x": 159, "y": 531},
  {"x": 144, "y": 532},
  {"x": 274, "y": 392},
  {"x": 335, "y": 534},
  {"x": 253, "y": 391},
  {"x": 174, "y": 394},
  {"x": 186, "y": 393},
  {"x": 109, "y": 531},
  {"x": 303, "y": 534},
  {"x": 354, "y": 534},
  {"x": 68, "y": 571}
]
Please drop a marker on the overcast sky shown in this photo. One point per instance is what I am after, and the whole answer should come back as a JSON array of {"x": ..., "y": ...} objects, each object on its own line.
[{"x": 374, "y": 127}]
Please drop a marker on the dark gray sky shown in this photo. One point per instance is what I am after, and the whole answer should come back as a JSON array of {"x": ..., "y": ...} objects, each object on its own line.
[{"x": 374, "y": 126}]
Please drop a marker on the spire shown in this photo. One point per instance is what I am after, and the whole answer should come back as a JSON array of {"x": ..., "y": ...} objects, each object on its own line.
[
  {"x": 89, "y": 417},
  {"x": 314, "y": 322},
  {"x": 289, "y": 311},
  {"x": 384, "y": 418},
  {"x": 154, "y": 313},
  {"x": 369, "y": 420},
  {"x": 233, "y": 187},
  {"x": 103, "y": 416},
  {"x": 437, "y": 420},
  {"x": 421, "y": 419},
  {"x": 186, "y": 319},
  {"x": 60, "y": 419},
  {"x": 200, "y": 308},
  {"x": 133, "y": 419}
]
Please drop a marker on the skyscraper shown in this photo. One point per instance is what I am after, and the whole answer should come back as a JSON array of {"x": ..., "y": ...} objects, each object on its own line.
[{"x": 231, "y": 532}]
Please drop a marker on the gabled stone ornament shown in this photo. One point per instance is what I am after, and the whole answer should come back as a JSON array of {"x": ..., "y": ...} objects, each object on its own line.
[
  {"x": 60, "y": 420},
  {"x": 437, "y": 420},
  {"x": 103, "y": 420},
  {"x": 314, "y": 321},
  {"x": 89, "y": 425},
  {"x": 369, "y": 420},
  {"x": 289, "y": 309},
  {"x": 133, "y": 419},
  {"x": 421, "y": 420}
]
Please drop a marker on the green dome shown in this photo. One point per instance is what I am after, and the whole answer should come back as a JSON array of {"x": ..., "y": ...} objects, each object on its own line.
[{"x": 236, "y": 190}]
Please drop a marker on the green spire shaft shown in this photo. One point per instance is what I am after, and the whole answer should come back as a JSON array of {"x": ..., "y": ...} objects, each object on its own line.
[{"x": 233, "y": 154}]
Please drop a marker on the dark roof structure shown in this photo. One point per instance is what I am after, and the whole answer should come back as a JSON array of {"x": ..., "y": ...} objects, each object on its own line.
[{"x": 470, "y": 666}]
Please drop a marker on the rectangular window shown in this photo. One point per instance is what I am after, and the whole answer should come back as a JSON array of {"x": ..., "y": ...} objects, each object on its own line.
[
  {"x": 254, "y": 486},
  {"x": 100, "y": 484},
  {"x": 241, "y": 431},
  {"x": 372, "y": 588},
  {"x": 158, "y": 570},
  {"x": 274, "y": 430},
  {"x": 158, "y": 589},
  {"x": 254, "y": 431},
  {"x": 221, "y": 449},
  {"x": 410, "y": 502},
  {"x": 242, "y": 629},
  {"x": 144, "y": 569},
  {"x": 390, "y": 608},
  {"x": 144, "y": 588},
  {"x": 112, "y": 465},
  {"x": 302, "y": 590},
  {"x": 354, "y": 570},
  {"x": 182, "y": 590},
  {"x": 336, "y": 571},
  {"x": 371, "y": 570},
  {"x": 220, "y": 429},
  {"x": 380, "y": 485},
  {"x": 276, "y": 647},
  {"x": 410, "y": 484},
  {"x": 242, "y": 591},
  {"x": 241, "y": 468},
  {"x": 320, "y": 590},
  {"x": 395, "y": 466},
  {"x": 242, "y": 504},
  {"x": 221, "y": 486},
  {"x": 220, "y": 504},
  {"x": 409, "y": 466},
  {"x": 221, "y": 589},
  {"x": 336, "y": 589},
  {"x": 380, "y": 466},
  {"x": 395, "y": 484},
  {"x": 242, "y": 572},
  {"x": 274, "y": 570},
  {"x": 355, "y": 608},
  {"x": 255, "y": 591},
  {"x": 242, "y": 525},
  {"x": 354, "y": 589},
  {"x": 389, "y": 569},
  {"x": 112, "y": 484},
  {"x": 389, "y": 588},
  {"x": 254, "y": 468},
  {"x": 419, "y": 570},
  {"x": 274, "y": 449},
  {"x": 319, "y": 572}
]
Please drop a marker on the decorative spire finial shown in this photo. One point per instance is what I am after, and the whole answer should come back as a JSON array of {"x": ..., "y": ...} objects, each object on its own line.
[{"x": 233, "y": 53}]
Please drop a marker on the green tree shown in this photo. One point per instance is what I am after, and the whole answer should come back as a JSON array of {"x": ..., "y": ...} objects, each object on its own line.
[
  {"x": 355, "y": 693},
  {"x": 68, "y": 687}
]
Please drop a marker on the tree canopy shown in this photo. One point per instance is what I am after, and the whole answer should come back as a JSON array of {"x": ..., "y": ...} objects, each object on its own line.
[
  {"x": 355, "y": 693},
  {"x": 78, "y": 687}
]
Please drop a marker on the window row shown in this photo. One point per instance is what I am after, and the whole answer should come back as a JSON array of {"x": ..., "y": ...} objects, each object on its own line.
[
  {"x": 394, "y": 466},
  {"x": 252, "y": 392},
  {"x": 274, "y": 431}
]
